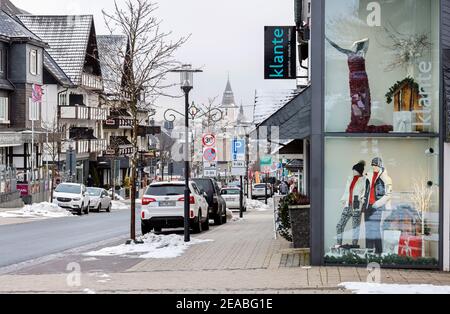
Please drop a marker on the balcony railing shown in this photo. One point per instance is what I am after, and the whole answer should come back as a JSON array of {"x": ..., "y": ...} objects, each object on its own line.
[
  {"x": 92, "y": 82},
  {"x": 87, "y": 146},
  {"x": 83, "y": 113}
]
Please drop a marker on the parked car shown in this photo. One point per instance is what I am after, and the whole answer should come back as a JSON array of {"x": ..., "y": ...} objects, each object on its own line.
[
  {"x": 163, "y": 207},
  {"x": 217, "y": 206},
  {"x": 99, "y": 200},
  {"x": 73, "y": 197},
  {"x": 259, "y": 191},
  {"x": 232, "y": 197}
]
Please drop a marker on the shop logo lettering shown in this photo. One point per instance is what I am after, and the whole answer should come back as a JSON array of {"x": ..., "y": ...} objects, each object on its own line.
[
  {"x": 425, "y": 91},
  {"x": 374, "y": 17},
  {"x": 277, "y": 67}
]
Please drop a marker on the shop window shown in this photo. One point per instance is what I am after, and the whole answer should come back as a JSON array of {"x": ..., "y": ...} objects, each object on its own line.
[
  {"x": 382, "y": 201},
  {"x": 382, "y": 66}
]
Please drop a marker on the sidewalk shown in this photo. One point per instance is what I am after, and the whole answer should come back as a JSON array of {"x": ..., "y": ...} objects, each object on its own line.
[{"x": 244, "y": 258}]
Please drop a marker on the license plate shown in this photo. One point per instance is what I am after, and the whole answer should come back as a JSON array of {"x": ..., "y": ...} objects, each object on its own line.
[{"x": 167, "y": 204}]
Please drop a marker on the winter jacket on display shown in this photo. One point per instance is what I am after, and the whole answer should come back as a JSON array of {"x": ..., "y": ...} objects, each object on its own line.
[
  {"x": 382, "y": 189},
  {"x": 358, "y": 191}
]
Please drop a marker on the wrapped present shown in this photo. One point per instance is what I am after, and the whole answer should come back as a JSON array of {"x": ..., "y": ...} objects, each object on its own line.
[{"x": 410, "y": 246}]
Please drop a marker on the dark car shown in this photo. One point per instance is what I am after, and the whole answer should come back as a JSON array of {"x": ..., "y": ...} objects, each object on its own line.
[{"x": 217, "y": 205}]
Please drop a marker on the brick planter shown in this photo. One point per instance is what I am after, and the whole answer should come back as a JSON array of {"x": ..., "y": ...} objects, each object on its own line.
[{"x": 300, "y": 225}]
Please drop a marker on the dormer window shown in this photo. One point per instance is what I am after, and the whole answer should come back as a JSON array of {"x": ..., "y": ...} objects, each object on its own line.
[{"x": 34, "y": 61}]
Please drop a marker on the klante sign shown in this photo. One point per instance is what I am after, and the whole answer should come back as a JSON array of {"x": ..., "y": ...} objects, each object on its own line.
[{"x": 280, "y": 46}]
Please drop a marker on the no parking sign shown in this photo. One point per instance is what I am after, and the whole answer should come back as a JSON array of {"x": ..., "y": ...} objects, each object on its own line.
[{"x": 210, "y": 154}]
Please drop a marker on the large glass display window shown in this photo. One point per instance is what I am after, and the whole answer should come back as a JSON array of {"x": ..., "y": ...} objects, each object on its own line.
[
  {"x": 382, "y": 201},
  {"x": 382, "y": 66}
]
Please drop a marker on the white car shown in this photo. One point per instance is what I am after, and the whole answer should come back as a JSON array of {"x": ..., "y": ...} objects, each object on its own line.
[
  {"x": 99, "y": 200},
  {"x": 259, "y": 191},
  {"x": 163, "y": 207},
  {"x": 232, "y": 197},
  {"x": 73, "y": 197}
]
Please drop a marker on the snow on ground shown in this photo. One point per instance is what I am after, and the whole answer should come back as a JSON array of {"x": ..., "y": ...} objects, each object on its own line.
[
  {"x": 253, "y": 205},
  {"x": 154, "y": 246},
  {"x": 118, "y": 205},
  {"x": 374, "y": 288},
  {"x": 233, "y": 216},
  {"x": 37, "y": 211}
]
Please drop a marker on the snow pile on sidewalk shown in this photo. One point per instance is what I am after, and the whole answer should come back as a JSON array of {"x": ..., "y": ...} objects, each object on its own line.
[
  {"x": 253, "y": 205},
  {"x": 232, "y": 217},
  {"x": 154, "y": 246},
  {"x": 374, "y": 288},
  {"x": 39, "y": 210},
  {"x": 118, "y": 205}
]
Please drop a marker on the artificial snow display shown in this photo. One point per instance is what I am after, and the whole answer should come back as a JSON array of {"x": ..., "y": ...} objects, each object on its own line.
[
  {"x": 376, "y": 288},
  {"x": 153, "y": 246},
  {"x": 37, "y": 211}
]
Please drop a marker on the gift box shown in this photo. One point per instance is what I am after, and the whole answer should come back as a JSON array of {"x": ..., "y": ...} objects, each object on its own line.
[{"x": 410, "y": 246}]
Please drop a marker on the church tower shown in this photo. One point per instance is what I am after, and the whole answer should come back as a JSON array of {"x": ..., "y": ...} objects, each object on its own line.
[{"x": 229, "y": 106}]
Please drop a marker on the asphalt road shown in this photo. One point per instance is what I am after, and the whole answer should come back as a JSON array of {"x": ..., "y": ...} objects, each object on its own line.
[{"x": 24, "y": 242}]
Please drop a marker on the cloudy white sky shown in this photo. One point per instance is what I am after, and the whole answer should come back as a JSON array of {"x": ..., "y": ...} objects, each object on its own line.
[{"x": 227, "y": 37}]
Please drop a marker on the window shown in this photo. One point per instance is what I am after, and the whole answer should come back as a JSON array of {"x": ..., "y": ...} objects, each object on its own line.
[
  {"x": 381, "y": 193},
  {"x": 1, "y": 61},
  {"x": 34, "y": 62},
  {"x": 382, "y": 66},
  {"x": 4, "y": 106}
]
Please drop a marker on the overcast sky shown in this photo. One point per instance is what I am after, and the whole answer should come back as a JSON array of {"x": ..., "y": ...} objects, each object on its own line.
[{"x": 227, "y": 37}]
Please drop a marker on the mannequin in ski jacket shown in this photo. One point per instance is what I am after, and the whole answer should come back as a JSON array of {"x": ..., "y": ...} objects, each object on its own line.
[
  {"x": 378, "y": 193},
  {"x": 352, "y": 202}
]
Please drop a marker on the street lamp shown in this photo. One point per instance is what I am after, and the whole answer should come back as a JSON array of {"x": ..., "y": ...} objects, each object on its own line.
[{"x": 187, "y": 84}]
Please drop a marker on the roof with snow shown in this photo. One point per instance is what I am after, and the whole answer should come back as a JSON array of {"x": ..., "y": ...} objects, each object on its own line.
[
  {"x": 269, "y": 102},
  {"x": 10, "y": 8},
  {"x": 12, "y": 29},
  {"x": 112, "y": 50},
  {"x": 71, "y": 38},
  {"x": 53, "y": 68}
]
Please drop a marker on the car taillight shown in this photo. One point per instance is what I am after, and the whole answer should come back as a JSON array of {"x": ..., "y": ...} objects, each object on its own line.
[
  {"x": 142, "y": 215},
  {"x": 147, "y": 200},
  {"x": 191, "y": 200}
]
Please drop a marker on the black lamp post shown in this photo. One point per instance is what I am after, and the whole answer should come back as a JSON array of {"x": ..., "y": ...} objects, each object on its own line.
[{"x": 187, "y": 84}]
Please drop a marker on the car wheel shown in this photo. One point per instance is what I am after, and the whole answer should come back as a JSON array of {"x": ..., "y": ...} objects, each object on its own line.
[
  {"x": 86, "y": 210},
  {"x": 218, "y": 219},
  {"x": 197, "y": 227},
  {"x": 80, "y": 212},
  {"x": 146, "y": 228},
  {"x": 99, "y": 208},
  {"x": 108, "y": 210},
  {"x": 205, "y": 225}
]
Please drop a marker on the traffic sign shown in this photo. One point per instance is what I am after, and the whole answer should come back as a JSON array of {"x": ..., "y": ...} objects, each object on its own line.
[
  {"x": 209, "y": 173},
  {"x": 238, "y": 164},
  {"x": 210, "y": 155},
  {"x": 209, "y": 140},
  {"x": 238, "y": 150}
]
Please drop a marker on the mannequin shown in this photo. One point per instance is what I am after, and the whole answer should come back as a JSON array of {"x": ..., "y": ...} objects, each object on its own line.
[
  {"x": 378, "y": 193},
  {"x": 360, "y": 89},
  {"x": 352, "y": 202}
]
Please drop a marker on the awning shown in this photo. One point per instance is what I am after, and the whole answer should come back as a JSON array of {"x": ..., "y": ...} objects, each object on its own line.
[{"x": 294, "y": 118}]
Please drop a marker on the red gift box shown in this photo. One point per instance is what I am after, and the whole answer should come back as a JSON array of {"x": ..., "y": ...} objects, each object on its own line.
[{"x": 410, "y": 246}]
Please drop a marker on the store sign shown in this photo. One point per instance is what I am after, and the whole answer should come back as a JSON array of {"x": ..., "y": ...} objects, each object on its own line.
[
  {"x": 280, "y": 53},
  {"x": 24, "y": 189}
]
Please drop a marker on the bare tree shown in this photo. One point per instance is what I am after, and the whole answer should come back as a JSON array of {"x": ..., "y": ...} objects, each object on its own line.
[{"x": 139, "y": 71}]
